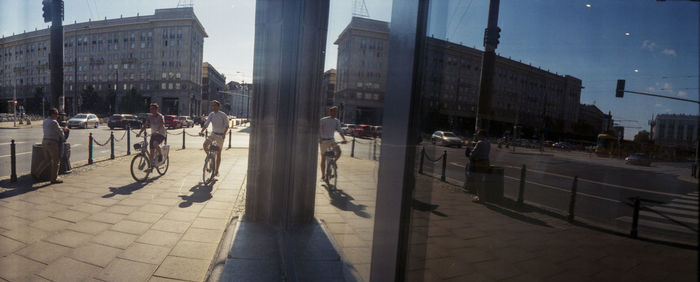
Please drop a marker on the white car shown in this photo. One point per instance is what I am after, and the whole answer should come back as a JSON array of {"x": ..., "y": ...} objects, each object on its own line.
[
  {"x": 83, "y": 121},
  {"x": 446, "y": 138}
]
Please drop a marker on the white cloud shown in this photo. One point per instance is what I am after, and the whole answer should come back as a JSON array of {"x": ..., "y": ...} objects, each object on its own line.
[
  {"x": 659, "y": 105},
  {"x": 669, "y": 52},
  {"x": 651, "y": 88},
  {"x": 668, "y": 86},
  {"x": 682, "y": 94},
  {"x": 668, "y": 110},
  {"x": 647, "y": 44}
]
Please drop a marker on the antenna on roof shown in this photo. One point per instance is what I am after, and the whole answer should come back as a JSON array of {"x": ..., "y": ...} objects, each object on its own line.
[
  {"x": 185, "y": 4},
  {"x": 359, "y": 9}
]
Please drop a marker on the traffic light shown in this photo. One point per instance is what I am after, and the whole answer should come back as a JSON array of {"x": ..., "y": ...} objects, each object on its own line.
[
  {"x": 58, "y": 12},
  {"x": 47, "y": 10},
  {"x": 620, "y": 90}
]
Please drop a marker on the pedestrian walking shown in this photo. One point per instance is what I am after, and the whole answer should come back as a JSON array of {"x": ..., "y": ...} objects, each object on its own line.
[
  {"x": 53, "y": 135},
  {"x": 479, "y": 164}
]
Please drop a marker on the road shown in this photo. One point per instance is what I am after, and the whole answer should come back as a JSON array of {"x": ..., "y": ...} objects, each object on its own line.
[
  {"x": 603, "y": 186},
  {"x": 78, "y": 138}
]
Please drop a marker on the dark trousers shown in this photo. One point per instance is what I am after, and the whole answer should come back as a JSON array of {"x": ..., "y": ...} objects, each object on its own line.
[{"x": 476, "y": 174}]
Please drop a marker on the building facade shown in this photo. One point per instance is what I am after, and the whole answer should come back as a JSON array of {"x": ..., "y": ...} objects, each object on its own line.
[
  {"x": 159, "y": 55},
  {"x": 361, "y": 71},
  {"x": 675, "y": 130},
  {"x": 592, "y": 121},
  {"x": 240, "y": 98},
  {"x": 327, "y": 91},
  {"x": 212, "y": 83}
]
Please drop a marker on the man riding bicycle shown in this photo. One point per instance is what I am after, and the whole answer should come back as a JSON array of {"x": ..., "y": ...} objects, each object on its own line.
[
  {"x": 219, "y": 123},
  {"x": 156, "y": 122},
  {"x": 328, "y": 126}
]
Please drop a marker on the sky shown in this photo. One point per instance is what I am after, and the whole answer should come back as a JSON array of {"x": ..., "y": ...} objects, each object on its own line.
[{"x": 653, "y": 45}]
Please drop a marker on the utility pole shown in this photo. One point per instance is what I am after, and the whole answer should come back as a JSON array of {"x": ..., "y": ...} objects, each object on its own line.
[
  {"x": 491, "y": 35},
  {"x": 116, "y": 91},
  {"x": 53, "y": 12}
]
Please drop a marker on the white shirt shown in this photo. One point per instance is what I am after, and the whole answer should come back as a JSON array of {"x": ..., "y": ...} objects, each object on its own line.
[
  {"x": 219, "y": 122},
  {"x": 328, "y": 127}
]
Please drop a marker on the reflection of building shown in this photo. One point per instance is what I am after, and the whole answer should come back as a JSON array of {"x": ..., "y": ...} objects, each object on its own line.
[
  {"x": 240, "y": 98},
  {"x": 212, "y": 83},
  {"x": 523, "y": 94},
  {"x": 159, "y": 55},
  {"x": 327, "y": 90},
  {"x": 675, "y": 130},
  {"x": 592, "y": 121},
  {"x": 361, "y": 73}
]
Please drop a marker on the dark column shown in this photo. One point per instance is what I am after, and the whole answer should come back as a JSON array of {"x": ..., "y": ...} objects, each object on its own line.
[
  {"x": 290, "y": 38},
  {"x": 488, "y": 63},
  {"x": 56, "y": 57}
]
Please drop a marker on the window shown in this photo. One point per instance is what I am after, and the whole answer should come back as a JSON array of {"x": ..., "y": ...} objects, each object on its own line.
[
  {"x": 162, "y": 85},
  {"x": 170, "y": 86}
]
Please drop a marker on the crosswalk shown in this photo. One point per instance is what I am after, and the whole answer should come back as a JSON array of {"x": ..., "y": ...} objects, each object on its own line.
[{"x": 680, "y": 215}]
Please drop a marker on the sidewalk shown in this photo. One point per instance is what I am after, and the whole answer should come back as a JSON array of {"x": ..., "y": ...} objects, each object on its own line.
[
  {"x": 456, "y": 239},
  {"x": 102, "y": 225},
  {"x": 12, "y": 125}
]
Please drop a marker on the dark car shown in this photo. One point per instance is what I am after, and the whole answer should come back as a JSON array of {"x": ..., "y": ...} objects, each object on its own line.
[
  {"x": 171, "y": 121},
  {"x": 363, "y": 130},
  {"x": 638, "y": 159},
  {"x": 123, "y": 120}
]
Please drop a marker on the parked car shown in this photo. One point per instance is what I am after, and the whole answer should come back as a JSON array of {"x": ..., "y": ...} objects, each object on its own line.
[
  {"x": 562, "y": 145},
  {"x": 638, "y": 159},
  {"x": 186, "y": 121},
  {"x": 377, "y": 131},
  {"x": 83, "y": 121},
  {"x": 123, "y": 120},
  {"x": 446, "y": 138},
  {"x": 171, "y": 121},
  {"x": 349, "y": 128},
  {"x": 363, "y": 130}
]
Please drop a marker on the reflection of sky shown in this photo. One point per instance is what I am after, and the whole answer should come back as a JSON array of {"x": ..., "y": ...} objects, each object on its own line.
[
  {"x": 563, "y": 36},
  {"x": 590, "y": 43}
]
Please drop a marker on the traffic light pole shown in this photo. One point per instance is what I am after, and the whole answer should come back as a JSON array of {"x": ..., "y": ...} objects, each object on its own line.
[
  {"x": 491, "y": 35},
  {"x": 56, "y": 53},
  {"x": 661, "y": 96}
]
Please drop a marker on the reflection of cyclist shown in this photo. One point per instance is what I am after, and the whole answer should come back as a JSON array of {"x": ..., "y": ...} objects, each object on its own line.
[
  {"x": 219, "y": 124},
  {"x": 329, "y": 125},
  {"x": 157, "y": 123}
]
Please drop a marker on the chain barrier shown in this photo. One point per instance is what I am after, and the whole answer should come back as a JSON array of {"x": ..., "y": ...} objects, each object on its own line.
[
  {"x": 193, "y": 135},
  {"x": 432, "y": 160},
  {"x": 120, "y": 138},
  {"x": 175, "y": 134},
  {"x": 100, "y": 144}
]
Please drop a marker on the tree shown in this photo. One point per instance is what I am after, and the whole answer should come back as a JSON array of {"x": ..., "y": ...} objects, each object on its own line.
[
  {"x": 108, "y": 105},
  {"x": 132, "y": 102},
  {"x": 33, "y": 105},
  {"x": 92, "y": 102},
  {"x": 642, "y": 137}
]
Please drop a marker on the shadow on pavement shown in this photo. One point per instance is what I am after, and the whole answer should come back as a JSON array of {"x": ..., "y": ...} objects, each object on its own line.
[
  {"x": 125, "y": 190},
  {"x": 245, "y": 130},
  {"x": 426, "y": 207},
  {"x": 200, "y": 194},
  {"x": 343, "y": 201},
  {"x": 24, "y": 184}
]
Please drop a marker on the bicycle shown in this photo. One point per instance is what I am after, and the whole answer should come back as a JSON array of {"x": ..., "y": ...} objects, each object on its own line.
[
  {"x": 141, "y": 163},
  {"x": 209, "y": 169},
  {"x": 331, "y": 166}
]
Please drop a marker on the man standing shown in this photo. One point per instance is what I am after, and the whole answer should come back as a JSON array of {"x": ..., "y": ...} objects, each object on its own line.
[
  {"x": 53, "y": 135},
  {"x": 479, "y": 163},
  {"x": 219, "y": 124},
  {"x": 157, "y": 123},
  {"x": 328, "y": 126}
]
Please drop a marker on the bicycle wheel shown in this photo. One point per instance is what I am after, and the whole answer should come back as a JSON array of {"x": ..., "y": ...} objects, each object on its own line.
[
  {"x": 333, "y": 179},
  {"x": 139, "y": 168},
  {"x": 209, "y": 169},
  {"x": 164, "y": 166}
]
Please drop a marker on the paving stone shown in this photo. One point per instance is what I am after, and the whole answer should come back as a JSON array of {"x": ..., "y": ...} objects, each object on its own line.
[
  {"x": 95, "y": 254},
  {"x": 88, "y": 208},
  {"x": 183, "y": 268},
  {"x": 133, "y": 202},
  {"x": 17, "y": 268},
  {"x": 214, "y": 213},
  {"x": 8, "y": 245},
  {"x": 33, "y": 215},
  {"x": 70, "y": 215},
  {"x": 69, "y": 238},
  {"x": 145, "y": 253},
  {"x": 203, "y": 235},
  {"x": 43, "y": 252},
  {"x": 153, "y": 208},
  {"x": 171, "y": 226},
  {"x": 219, "y": 205},
  {"x": 26, "y": 235},
  {"x": 131, "y": 227},
  {"x": 126, "y": 270},
  {"x": 58, "y": 270},
  {"x": 159, "y": 238},
  {"x": 121, "y": 209},
  {"x": 192, "y": 249},
  {"x": 51, "y": 224},
  {"x": 89, "y": 227},
  {"x": 180, "y": 215},
  {"x": 115, "y": 239},
  {"x": 146, "y": 217},
  {"x": 210, "y": 223},
  {"x": 107, "y": 217},
  {"x": 13, "y": 222}
]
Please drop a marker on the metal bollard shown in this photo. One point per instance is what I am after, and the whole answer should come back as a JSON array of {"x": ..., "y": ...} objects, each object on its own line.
[
  {"x": 90, "y": 149},
  {"x": 229, "y": 139},
  {"x": 444, "y": 166},
  {"x": 111, "y": 145},
  {"x": 352, "y": 151},
  {"x": 572, "y": 202},
  {"x": 523, "y": 172},
  {"x": 128, "y": 140},
  {"x": 183, "y": 138},
  {"x": 374, "y": 154},
  {"x": 13, "y": 162},
  {"x": 635, "y": 217},
  {"x": 422, "y": 157}
]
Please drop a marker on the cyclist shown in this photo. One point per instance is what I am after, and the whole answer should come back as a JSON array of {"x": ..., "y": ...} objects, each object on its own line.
[
  {"x": 328, "y": 126},
  {"x": 219, "y": 123},
  {"x": 157, "y": 123}
]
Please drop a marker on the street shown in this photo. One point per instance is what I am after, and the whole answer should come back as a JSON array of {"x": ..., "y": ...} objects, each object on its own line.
[
  {"x": 78, "y": 138},
  {"x": 603, "y": 188}
]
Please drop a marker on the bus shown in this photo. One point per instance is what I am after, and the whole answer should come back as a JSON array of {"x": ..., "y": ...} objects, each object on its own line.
[{"x": 605, "y": 145}]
